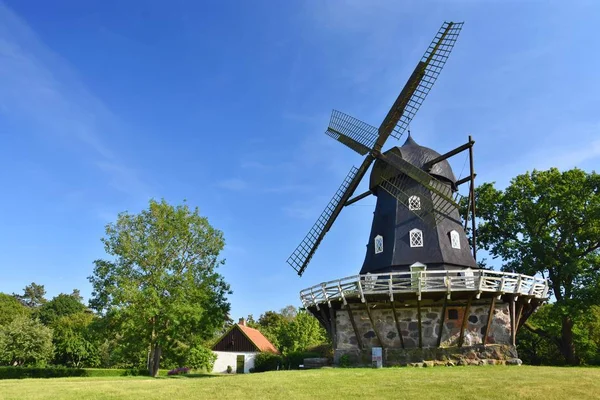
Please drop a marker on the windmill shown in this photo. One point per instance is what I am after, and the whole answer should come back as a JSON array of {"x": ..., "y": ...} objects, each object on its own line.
[
  {"x": 392, "y": 172},
  {"x": 419, "y": 286}
]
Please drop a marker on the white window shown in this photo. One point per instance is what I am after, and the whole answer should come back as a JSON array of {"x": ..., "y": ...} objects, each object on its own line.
[
  {"x": 455, "y": 240},
  {"x": 414, "y": 203},
  {"x": 416, "y": 238},
  {"x": 378, "y": 244}
]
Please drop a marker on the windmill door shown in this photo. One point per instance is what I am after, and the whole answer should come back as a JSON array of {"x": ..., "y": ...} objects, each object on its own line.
[{"x": 240, "y": 364}]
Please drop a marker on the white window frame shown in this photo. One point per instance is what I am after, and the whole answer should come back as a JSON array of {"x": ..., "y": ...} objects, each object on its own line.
[
  {"x": 415, "y": 236},
  {"x": 414, "y": 203},
  {"x": 455, "y": 239},
  {"x": 378, "y": 243}
]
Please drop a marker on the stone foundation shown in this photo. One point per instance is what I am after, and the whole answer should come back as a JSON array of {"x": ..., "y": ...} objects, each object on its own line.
[
  {"x": 467, "y": 355},
  {"x": 404, "y": 343}
]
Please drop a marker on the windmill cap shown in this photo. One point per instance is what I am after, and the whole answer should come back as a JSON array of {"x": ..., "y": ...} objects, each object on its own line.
[{"x": 417, "y": 155}]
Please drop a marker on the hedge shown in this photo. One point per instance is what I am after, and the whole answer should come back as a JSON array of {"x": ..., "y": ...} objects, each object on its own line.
[{"x": 60, "y": 372}]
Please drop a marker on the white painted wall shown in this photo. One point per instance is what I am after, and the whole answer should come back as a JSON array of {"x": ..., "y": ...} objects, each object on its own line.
[{"x": 225, "y": 358}]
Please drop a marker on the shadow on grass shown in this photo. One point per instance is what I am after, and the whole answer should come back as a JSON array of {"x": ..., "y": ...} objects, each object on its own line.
[{"x": 188, "y": 376}]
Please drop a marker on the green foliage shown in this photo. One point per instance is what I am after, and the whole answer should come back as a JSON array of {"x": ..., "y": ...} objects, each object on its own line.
[
  {"x": 33, "y": 295},
  {"x": 25, "y": 342},
  {"x": 548, "y": 223},
  {"x": 199, "y": 357},
  {"x": 291, "y": 330},
  {"x": 60, "y": 372},
  {"x": 293, "y": 360},
  {"x": 345, "y": 361},
  {"x": 74, "y": 341},
  {"x": 60, "y": 306},
  {"x": 267, "y": 362},
  {"x": 10, "y": 308},
  {"x": 161, "y": 286}
]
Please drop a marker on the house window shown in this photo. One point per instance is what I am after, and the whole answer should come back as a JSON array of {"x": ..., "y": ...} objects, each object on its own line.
[
  {"x": 414, "y": 203},
  {"x": 416, "y": 238},
  {"x": 378, "y": 244},
  {"x": 455, "y": 240}
]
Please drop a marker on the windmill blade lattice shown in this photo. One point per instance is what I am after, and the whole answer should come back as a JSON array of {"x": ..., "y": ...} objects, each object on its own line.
[
  {"x": 300, "y": 258},
  {"x": 430, "y": 66},
  {"x": 393, "y": 185},
  {"x": 442, "y": 202},
  {"x": 352, "y": 132}
]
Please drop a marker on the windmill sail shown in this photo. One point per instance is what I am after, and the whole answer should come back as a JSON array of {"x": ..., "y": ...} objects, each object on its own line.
[
  {"x": 305, "y": 250},
  {"x": 421, "y": 81},
  {"x": 352, "y": 132}
]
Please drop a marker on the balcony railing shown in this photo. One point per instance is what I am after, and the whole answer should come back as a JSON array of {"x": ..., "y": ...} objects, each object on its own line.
[{"x": 476, "y": 281}]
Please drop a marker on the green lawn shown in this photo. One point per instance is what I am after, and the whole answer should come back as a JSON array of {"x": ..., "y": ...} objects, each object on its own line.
[{"x": 490, "y": 382}]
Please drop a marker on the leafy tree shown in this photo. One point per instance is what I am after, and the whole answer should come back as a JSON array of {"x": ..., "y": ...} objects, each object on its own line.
[
  {"x": 25, "y": 341},
  {"x": 77, "y": 295},
  {"x": 161, "y": 284},
  {"x": 291, "y": 330},
  {"x": 74, "y": 340},
  {"x": 33, "y": 295},
  {"x": 10, "y": 308},
  {"x": 301, "y": 333},
  {"x": 548, "y": 223},
  {"x": 60, "y": 306},
  {"x": 200, "y": 357}
]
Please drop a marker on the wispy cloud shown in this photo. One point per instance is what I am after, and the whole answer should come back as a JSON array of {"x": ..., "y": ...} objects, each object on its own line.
[
  {"x": 41, "y": 91},
  {"x": 233, "y": 184}
]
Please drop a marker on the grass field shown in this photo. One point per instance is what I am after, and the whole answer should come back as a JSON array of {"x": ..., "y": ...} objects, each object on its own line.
[{"x": 392, "y": 383}]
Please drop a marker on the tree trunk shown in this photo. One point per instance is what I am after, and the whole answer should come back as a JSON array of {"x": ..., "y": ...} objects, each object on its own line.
[
  {"x": 567, "y": 347},
  {"x": 155, "y": 360}
]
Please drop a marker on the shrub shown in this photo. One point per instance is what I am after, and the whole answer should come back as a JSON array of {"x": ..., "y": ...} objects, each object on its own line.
[
  {"x": 58, "y": 372},
  {"x": 324, "y": 350},
  {"x": 199, "y": 357},
  {"x": 267, "y": 362},
  {"x": 345, "y": 361},
  {"x": 294, "y": 359}
]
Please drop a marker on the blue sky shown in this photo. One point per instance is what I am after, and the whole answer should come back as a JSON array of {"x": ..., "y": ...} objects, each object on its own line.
[{"x": 106, "y": 104}]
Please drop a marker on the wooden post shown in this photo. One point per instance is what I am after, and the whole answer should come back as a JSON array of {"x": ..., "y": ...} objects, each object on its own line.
[
  {"x": 356, "y": 333},
  {"x": 333, "y": 327},
  {"x": 473, "y": 230},
  {"x": 326, "y": 322},
  {"x": 489, "y": 321},
  {"x": 519, "y": 313},
  {"x": 461, "y": 338},
  {"x": 442, "y": 322},
  {"x": 419, "y": 321},
  {"x": 373, "y": 324},
  {"x": 397, "y": 325}
]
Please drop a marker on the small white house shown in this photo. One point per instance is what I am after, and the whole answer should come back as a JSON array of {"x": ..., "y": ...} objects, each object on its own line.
[{"x": 238, "y": 347}]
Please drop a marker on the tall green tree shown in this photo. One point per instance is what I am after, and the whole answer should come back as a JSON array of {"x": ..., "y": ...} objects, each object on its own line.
[
  {"x": 74, "y": 341},
  {"x": 25, "y": 341},
  {"x": 10, "y": 308},
  {"x": 33, "y": 295},
  {"x": 60, "y": 306},
  {"x": 548, "y": 223},
  {"x": 161, "y": 282}
]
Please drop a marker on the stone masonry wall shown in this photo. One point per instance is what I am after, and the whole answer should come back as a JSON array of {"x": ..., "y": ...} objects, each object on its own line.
[{"x": 430, "y": 324}]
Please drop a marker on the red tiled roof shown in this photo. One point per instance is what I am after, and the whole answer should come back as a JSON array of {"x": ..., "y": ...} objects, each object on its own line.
[{"x": 258, "y": 339}]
